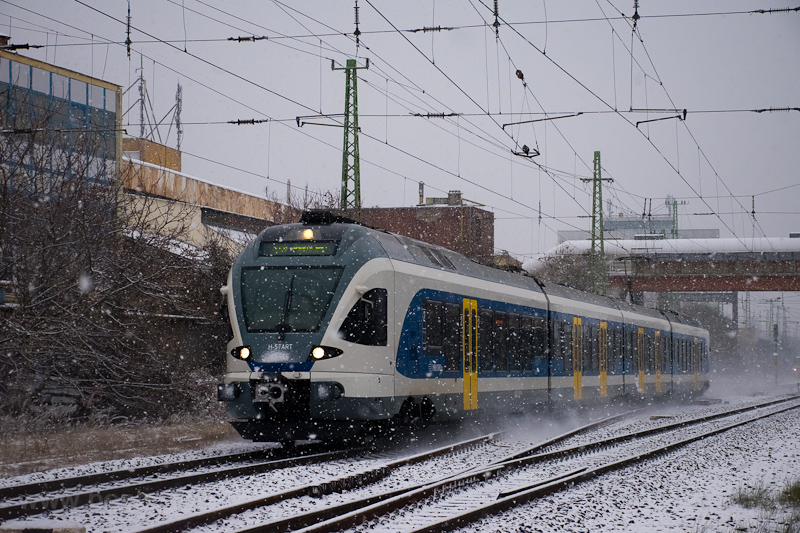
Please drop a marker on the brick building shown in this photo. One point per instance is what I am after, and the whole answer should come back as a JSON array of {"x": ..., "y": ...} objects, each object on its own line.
[{"x": 447, "y": 222}]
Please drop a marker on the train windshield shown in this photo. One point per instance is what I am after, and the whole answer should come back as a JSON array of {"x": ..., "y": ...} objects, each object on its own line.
[{"x": 282, "y": 300}]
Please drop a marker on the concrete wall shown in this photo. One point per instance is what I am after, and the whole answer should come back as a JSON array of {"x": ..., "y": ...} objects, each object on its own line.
[{"x": 160, "y": 181}]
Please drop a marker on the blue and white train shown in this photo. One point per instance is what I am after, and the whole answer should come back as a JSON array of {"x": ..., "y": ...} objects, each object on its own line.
[{"x": 340, "y": 330}]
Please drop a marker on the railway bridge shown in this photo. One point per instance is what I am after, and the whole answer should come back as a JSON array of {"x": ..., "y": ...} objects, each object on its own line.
[{"x": 722, "y": 266}]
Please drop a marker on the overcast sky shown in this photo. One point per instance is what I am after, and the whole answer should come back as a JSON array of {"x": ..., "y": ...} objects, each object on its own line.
[{"x": 575, "y": 57}]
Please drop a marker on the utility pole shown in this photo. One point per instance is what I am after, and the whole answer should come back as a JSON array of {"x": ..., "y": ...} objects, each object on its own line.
[
  {"x": 142, "y": 93},
  {"x": 351, "y": 167},
  {"x": 598, "y": 255},
  {"x": 178, "y": 109}
]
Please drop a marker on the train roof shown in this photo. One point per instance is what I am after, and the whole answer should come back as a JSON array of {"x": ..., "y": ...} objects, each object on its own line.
[{"x": 406, "y": 249}]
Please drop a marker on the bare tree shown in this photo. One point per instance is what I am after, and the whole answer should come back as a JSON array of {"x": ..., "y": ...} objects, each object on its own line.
[
  {"x": 298, "y": 201},
  {"x": 98, "y": 275},
  {"x": 572, "y": 270}
]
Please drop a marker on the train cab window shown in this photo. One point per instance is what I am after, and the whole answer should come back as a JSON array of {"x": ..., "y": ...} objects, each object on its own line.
[
  {"x": 433, "y": 318},
  {"x": 451, "y": 337},
  {"x": 514, "y": 343},
  {"x": 366, "y": 322},
  {"x": 485, "y": 349},
  {"x": 500, "y": 332}
]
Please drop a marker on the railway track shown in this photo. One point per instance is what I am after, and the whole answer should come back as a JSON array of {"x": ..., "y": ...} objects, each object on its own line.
[
  {"x": 69, "y": 493},
  {"x": 374, "y": 493},
  {"x": 349, "y": 484},
  {"x": 455, "y": 505},
  {"x": 35, "y": 498},
  {"x": 454, "y": 502}
]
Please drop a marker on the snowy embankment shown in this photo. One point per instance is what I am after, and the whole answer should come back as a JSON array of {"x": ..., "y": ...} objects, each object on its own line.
[{"x": 688, "y": 490}]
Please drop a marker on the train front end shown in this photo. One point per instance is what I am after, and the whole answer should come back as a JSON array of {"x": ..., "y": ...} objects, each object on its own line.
[{"x": 291, "y": 372}]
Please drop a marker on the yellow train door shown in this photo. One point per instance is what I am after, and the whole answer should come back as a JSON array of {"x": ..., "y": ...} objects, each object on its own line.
[
  {"x": 657, "y": 348},
  {"x": 603, "y": 355},
  {"x": 640, "y": 359},
  {"x": 696, "y": 363},
  {"x": 577, "y": 357},
  {"x": 469, "y": 329}
]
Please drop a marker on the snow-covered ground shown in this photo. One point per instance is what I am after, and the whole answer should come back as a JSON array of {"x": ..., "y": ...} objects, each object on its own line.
[
  {"x": 690, "y": 489},
  {"x": 686, "y": 490}
]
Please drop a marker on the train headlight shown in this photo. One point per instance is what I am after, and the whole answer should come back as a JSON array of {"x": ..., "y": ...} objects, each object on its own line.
[
  {"x": 242, "y": 352},
  {"x": 308, "y": 233},
  {"x": 323, "y": 352}
]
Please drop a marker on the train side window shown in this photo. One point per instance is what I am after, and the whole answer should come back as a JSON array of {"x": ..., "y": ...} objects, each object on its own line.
[
  {"x": 500, "y": 331},
  {"x": 485, "y": 350},
  {"x": 452, "y": 337},
  {"x": 513, "y": 343},
  {"x": 594, "y": 349},
  {"x": 556, "y": 340},
  {"x": 676, "y": 356},
  {"x": 612, "y": 350},
  {"x": 633, "y": 351},
  {"x": 686, "y": 361},
  {"x": 433, "y": 316},
  {"x": 566, "y": 347},
  {"x": 527, "y": 343},
  {"x": 366, "y": 322},
  {"x": 539, "y": 338}
]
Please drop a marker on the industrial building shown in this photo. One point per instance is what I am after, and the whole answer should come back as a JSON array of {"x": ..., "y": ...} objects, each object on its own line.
[{"x": 61, "y": 110}]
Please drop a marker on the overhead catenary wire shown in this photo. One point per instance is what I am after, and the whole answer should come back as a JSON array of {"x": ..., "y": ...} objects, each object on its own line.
[
  {"x": 467, "y": 115},
  {"x": 402, "y": 151},
  {"x": 546, "y": 216},
  {"x": 599, "y": 98},
  {"x": 636, "y": 31}
]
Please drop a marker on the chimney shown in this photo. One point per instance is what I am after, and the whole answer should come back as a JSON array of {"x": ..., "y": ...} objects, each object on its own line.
[
  {"x": 454, "y": 197},
  {"x": 421, "y": 193}
]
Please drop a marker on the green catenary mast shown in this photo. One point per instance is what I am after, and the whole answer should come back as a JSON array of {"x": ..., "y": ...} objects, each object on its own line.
[
  {"x": 597, "y": 257},
  {"x": 351, "y": 173}
]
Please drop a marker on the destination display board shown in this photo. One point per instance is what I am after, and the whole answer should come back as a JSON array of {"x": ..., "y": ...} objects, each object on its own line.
[{"x": 271, "y": 249}]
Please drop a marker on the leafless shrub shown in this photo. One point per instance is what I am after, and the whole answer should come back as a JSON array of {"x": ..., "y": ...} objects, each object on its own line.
[
  {"x": 572, "y": 270},
  {"x": 100, "y": 278}
]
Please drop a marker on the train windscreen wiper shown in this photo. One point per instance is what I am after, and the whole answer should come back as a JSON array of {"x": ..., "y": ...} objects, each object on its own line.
[{"x": 284, "y": 326}]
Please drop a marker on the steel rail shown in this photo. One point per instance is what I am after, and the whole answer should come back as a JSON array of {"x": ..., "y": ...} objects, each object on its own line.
[
  {"x": 318, "y": 489},
  {"x": 340, "y": 485},
  {"x": 553, "y": 485},
  {"x": 68, "y": 500},
  {"x": 349, "y": 515},
  {"x": 14, "y": 491}
]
